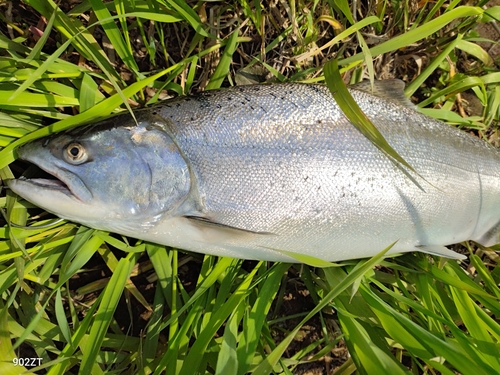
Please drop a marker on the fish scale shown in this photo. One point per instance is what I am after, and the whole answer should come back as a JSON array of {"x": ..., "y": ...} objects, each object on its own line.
[{"x": 260, "y": 172}]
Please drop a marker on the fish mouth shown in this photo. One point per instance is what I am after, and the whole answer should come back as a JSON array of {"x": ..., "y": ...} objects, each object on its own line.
[
  {"x": 59, "y": 181},
  {"x": 48, "y": 183}
]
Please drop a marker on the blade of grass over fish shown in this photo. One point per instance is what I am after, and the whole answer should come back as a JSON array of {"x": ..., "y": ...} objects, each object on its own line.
[
  {"x": 101, "y": 109},
  {"x": 431, "y": 68},
  {"x": 413, "y": 291},
  {"x": 355, "y": 115},
  {"x": 306, "y": 259},
  {"x": 105, "y": 312},
  {"x": 267, "y": 365},
  {"x": 417, "y": 34},
  {"x": 222, "y": 69}
]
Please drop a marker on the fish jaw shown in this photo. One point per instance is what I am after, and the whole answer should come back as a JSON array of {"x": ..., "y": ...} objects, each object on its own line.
[
  {"x": 65, "y": 195},
  {"x": 44, "y": 193},
  {"x": 66, "y": 182}
]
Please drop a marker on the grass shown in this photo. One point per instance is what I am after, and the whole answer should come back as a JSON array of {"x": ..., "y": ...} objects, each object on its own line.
[{"x": 85, "y": 301}]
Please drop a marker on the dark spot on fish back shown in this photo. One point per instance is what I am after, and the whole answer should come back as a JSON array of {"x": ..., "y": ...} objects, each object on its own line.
[{"x": 314, "y": 88}]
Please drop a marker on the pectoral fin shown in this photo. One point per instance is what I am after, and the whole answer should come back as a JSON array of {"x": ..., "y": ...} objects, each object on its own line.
[
  {"x": 215, "y": 232},
  {"x": 440, "y": 251}
]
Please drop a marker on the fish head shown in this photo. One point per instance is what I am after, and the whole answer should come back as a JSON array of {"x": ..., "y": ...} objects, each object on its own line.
[{"x": 116, "y": 174}]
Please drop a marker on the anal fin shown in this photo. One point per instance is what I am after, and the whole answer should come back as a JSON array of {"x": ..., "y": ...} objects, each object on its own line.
[{"x": 440, "y": 251}]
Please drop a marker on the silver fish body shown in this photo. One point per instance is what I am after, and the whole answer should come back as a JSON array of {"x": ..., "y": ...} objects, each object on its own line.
[{"x": 260, "y": 172}]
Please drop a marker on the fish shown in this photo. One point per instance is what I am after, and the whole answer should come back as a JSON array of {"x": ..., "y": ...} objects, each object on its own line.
[{"x": 273, "y": 172}]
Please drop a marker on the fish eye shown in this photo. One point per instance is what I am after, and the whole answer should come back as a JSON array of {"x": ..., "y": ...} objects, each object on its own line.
[{"x": 75, "y": 153}]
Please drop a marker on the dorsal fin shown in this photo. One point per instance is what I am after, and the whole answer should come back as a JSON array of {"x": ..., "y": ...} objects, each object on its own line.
[{"x": 389, "y": 89}]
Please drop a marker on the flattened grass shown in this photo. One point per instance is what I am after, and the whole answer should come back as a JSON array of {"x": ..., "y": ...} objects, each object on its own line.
[{"x": 411, "y": 314}]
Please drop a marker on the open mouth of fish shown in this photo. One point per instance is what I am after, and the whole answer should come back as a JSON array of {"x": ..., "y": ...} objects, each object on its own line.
[
  {"x": 49, "y": 183},
  {"x": 57, "y": 181}
]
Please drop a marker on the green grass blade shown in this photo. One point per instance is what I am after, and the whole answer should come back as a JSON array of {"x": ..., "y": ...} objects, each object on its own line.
[
  {"x": 459, "y": 358},
  {"x": 88, "y": 90},
  {"x": 227, "y": 361},
  {"x": 256, "y": 317},
  {"x": 417, "y": 34},
  {"x": 61, "y": 317},
  {"x": 431, "y": 68},
  {"x": 460, "y": 86},
  {"x": 114, "y": 34},
  {"x": 267, "y": 365},
  {"x": 105, "y": 312},
  {"x": 100, "y": 110},
  {"x": 369, "y": 357},
  {"x": 222, "y": 69},
  {"x": 7, "y": 354},
  {"x": 193, "y": 359},
  {"x": 186, "y": 12},
  {"x": 354, "y": 113}
]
